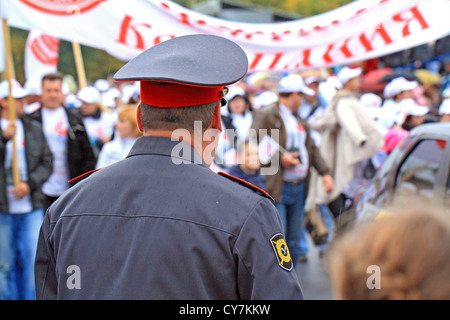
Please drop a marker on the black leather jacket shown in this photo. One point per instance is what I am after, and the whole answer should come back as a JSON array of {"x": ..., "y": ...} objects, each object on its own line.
[
  {"x": 80, "y": 156},
  {"x": 39, "y": 162}
]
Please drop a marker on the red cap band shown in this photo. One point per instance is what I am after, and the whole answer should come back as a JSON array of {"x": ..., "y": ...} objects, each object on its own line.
[{"x": 173, "y": 95}]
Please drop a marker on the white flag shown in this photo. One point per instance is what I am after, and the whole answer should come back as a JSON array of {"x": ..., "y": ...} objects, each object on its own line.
[{"x": 41, "y": 54}]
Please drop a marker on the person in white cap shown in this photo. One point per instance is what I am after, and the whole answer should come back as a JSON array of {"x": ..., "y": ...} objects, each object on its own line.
[
  {"x": 444, "y": 111},
  {"x": 21, "y": 202},
  {"x": 396, "y": 91},
  {"x": 99, "y": 124},
  {"x": 296, "y": 155},
  {"x": 415, "y": 114},
  {"x": 349, "y": 137}
]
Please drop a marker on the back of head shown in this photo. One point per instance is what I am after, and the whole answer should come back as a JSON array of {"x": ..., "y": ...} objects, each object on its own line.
[
  {"x": 411, "y": 250},
  {"x": 183, "y": 79}
]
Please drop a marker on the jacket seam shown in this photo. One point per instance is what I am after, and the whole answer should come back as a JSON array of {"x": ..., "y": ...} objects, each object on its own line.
[{"x": 141, "y": 216}]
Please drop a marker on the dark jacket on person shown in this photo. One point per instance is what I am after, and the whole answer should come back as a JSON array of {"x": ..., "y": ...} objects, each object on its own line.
[
  {"x": 269, "y": 118},
  {"x": 39, "y": 160},
  {"x": 80, "y": 156}
]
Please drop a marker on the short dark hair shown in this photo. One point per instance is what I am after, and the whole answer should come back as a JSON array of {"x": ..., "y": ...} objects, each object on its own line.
[
  {"x": 53, "y": 76},
  {"x": 156, "y": 118}
]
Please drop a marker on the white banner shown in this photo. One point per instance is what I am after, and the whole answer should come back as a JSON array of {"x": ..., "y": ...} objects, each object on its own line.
[
  {"x": 41, "y": 54},
  {"x": 358, "y": 31}
]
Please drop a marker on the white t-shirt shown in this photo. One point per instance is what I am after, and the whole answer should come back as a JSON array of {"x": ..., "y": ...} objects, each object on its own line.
[
  {"x": 114, "y": 151},
  {"x": 55, "y": 125},
  {"x": 16, "y": 205},
  {"x": 296, "y": 138},
  {"x": 101, "y": 128}
]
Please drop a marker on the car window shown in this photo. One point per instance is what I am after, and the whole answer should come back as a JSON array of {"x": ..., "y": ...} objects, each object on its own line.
[
  {"x": 390, "y": 160},
  {"x": 417, "y": 174}
]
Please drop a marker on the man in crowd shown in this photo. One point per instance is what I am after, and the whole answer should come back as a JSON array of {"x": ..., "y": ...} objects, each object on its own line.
[
  {"x": 297, "y": 153},
  {"x": 66, "y": 136},
  {"x": 21, "y": 200}
]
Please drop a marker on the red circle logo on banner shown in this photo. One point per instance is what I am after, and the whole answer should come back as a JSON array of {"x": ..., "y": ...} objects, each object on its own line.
[
  {"x": 62, "y": 7},
  {"x": 45, "y": 48}
]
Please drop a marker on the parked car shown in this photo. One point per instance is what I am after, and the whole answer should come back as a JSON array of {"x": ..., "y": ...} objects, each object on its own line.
[{"x": 415, "y": 173}]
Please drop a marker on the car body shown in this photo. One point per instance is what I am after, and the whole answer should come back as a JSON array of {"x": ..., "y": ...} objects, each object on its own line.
[{"x": 415, "y": 173}]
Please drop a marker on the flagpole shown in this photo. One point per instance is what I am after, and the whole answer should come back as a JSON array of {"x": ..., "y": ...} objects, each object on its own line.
[
  {"x": 79, "y": 64},
  {"x": 9, "y": 71}
]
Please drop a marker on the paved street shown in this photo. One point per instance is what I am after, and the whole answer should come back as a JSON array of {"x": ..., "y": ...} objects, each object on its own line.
[{"x": 313, "y": 277}]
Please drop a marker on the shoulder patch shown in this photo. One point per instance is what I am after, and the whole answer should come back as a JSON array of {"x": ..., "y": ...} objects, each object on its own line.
[
  {"x": 74, "y": 181},
  {"x": 281, "y": 251},
  {"x": 247, "y": 184}
]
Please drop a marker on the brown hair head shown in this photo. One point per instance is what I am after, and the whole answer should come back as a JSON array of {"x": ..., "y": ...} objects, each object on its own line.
[{"x": 411, "y": 248}]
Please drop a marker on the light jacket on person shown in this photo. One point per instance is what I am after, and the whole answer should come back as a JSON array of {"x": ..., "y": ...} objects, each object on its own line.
[
  {"x": 348, "y": 136},
  {"x": 39, "y": 163},
  {"x": 269, "y": 118}
]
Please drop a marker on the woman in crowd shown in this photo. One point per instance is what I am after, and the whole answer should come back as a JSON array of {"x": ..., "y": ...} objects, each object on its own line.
[{"x": 126, "y": 134}]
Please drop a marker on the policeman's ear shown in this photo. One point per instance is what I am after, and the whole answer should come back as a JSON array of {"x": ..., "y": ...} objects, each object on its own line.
[
  {"x": 138, "y": 118},
  {"x": 216, "y": 122}
]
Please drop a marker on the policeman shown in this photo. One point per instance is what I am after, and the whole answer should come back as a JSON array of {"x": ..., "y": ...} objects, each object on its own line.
[{"x": 160, "y": 224}]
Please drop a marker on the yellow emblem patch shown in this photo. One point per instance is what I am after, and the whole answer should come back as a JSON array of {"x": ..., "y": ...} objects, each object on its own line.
[{"x": 281, "y": 249}]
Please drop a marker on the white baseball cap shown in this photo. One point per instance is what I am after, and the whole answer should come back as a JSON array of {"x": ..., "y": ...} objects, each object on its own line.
[
  {"x": 234, "y": 91},
  {"x": 398, "y": 85},
  {"x": 264, "y": 99},
  {"x": 348, "y": 73},
  {"x": 17, "y": 90},
  {"x": 445, "y": 107},
  {"x": 33, "y": 86},
  {"x": 101, "y": 84},
  {"x": 372, "y": 104},
  {"x": 109, "y": 97},
  {"x": 294, "y": 83},
  {"x": 371, "y": 100},
  {"x": 446, "y": 92},
  {"x": 412, "y": 108},
  {"x": 89, "y": 95},
  {"x": 417, "y": 110}
]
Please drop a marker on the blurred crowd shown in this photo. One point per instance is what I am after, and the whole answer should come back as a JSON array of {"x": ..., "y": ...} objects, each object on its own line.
[{"x": 394, "y": 99}]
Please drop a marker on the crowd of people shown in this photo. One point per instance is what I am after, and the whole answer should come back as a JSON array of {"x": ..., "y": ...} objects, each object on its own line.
[
  {"x": 326, "y": 132},
  {"x": 353, "y": 129}
]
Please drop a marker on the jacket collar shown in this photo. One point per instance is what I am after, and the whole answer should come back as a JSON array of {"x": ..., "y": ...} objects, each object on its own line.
[{"x": 178, "y": 151}]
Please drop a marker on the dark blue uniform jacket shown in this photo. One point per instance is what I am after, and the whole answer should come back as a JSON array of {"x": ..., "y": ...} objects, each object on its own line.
[{"x": 149, "y": 227}]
